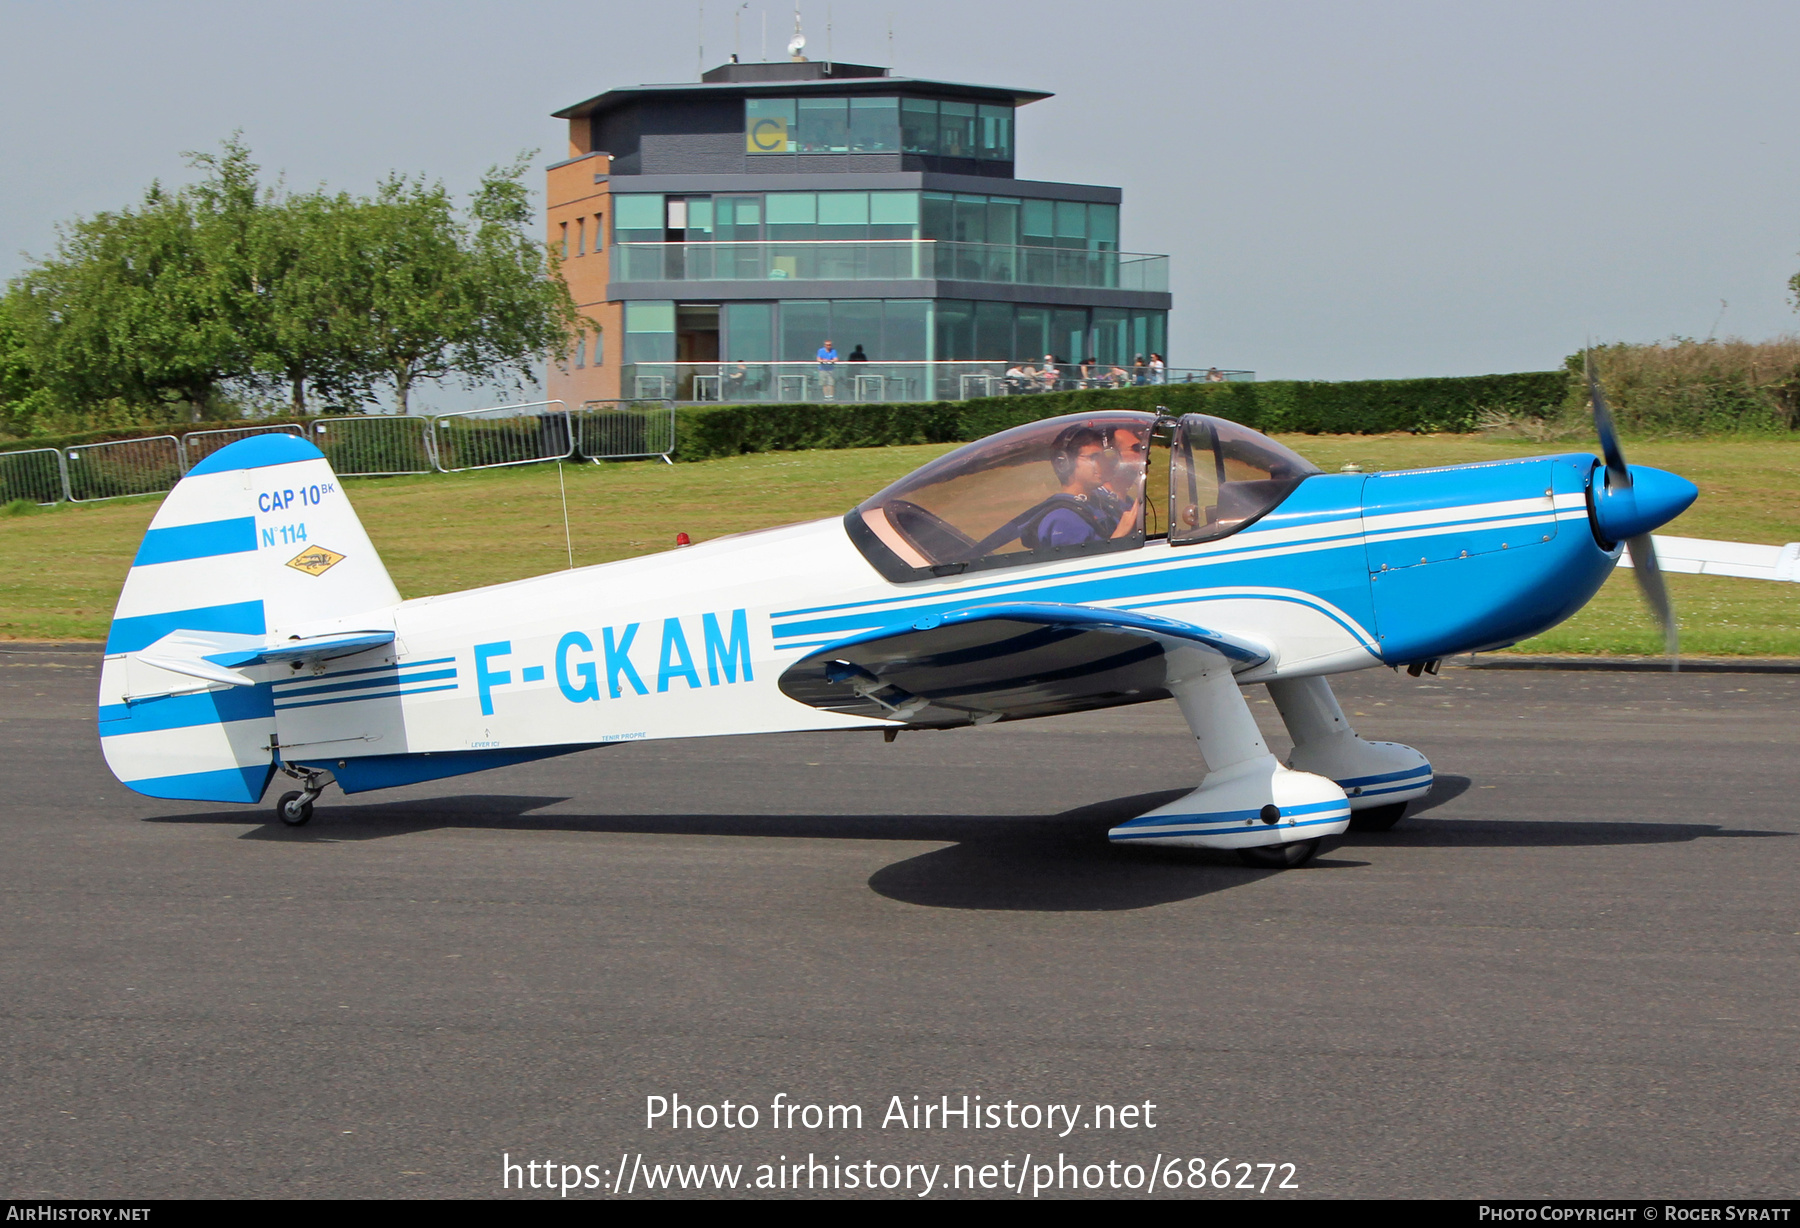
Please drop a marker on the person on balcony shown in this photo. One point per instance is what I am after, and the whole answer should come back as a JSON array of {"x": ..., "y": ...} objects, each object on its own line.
[
  {"x": 1018, "y": 379},
  {"x": 1158, "y": 369},
  {"x": 1048, "y": 375},
  {"x": 828, "y": 357}
]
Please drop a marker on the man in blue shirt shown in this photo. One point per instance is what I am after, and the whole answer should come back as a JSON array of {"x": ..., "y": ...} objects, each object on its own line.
[{"x": 828, "y": 368}]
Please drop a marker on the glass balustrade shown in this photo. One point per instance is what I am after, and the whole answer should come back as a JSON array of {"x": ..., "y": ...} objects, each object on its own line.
[
  {"x": 889, "y": 260},
  {"x": 740, "y": 383}
]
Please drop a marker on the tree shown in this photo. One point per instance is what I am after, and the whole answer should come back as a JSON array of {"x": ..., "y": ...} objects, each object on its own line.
[
  {"x": 23, "y": 400},
  {"x": 438, "y": 299},
  {"x": 523, "y": 307},
  {"x": 308, "y": 338},
  {"x": 225, "y": 284},
  {"x": 128, "y": 308}
]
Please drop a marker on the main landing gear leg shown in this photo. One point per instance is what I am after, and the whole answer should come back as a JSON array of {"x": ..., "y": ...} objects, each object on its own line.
[
  {"x": 1379, "y": 778},
  {"x": 1271, "y": 816},
  {"x": 296, "y": 808}
]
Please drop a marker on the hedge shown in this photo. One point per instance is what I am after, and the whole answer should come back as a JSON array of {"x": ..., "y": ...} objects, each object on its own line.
[
  {"x": 1450, "y": 403},
  {"x": 1360, "y": 407}
]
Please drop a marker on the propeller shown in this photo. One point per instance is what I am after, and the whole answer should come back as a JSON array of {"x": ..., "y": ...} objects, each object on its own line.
[{"x": 1620, "y": 481}]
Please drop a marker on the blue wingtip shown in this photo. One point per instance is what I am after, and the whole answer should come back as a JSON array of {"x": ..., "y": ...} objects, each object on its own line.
[{"x": 258, "y": 452}]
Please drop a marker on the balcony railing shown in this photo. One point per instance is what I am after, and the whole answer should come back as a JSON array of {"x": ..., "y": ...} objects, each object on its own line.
[
  {"x": 740, "y": 383},
  {"x": 890, "y": 260}
]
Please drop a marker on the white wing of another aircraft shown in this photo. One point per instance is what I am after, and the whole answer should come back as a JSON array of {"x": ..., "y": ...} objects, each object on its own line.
[{"x": 1697, "y": 556}]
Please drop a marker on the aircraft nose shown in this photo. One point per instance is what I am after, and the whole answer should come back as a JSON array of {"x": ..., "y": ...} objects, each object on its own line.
[{"x": 1654, "y": 498}]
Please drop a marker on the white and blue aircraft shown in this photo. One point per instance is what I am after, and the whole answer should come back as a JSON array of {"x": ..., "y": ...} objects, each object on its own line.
[{"x": 1076, "y": 563}]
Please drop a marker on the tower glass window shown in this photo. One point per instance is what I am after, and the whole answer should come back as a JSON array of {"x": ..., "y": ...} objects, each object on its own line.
[
  {"x": 874, "y": 125},
  {"x": 956, "y": 129},
  {"x": 893, "y": 215},
  {"x": 650, "y": 332},
  {"x": 749, "y": 330},
  {"x": 918, "y": 125},
  {"x": 638, "y": 218},
  {"x": 824, "y": 125},
  {"x": 996, "y": 132}
]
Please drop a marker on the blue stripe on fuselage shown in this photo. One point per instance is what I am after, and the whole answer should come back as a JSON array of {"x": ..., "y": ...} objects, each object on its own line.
[
  {"x": 237, "y": 703},
  {"x": 224, "y": 785},
  {"x": 1327, "y": 563}
]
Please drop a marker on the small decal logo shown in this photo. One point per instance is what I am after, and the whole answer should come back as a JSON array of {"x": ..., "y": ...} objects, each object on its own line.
[{"x": 315, "y": 560}]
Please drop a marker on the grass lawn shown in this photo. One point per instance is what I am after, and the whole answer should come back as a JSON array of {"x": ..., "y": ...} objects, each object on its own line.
[{"x": 60, "y": 570}]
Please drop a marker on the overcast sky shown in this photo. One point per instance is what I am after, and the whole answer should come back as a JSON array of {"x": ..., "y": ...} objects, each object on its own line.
[{"x": 1349, "y": 190}]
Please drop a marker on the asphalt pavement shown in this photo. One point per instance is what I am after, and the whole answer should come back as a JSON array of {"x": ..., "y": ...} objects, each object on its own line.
[{"x": 1571, "y": 972}]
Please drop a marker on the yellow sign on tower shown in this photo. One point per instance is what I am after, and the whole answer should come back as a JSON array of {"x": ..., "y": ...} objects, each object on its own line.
[{"x": 766, "y": 134}]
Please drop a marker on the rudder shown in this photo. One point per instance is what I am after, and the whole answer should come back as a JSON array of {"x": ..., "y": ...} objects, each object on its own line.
[{"x": 258, "y": 539}]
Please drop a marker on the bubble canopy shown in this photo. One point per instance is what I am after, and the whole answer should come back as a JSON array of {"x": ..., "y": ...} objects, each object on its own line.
[{"x": 1076, "y": 485}]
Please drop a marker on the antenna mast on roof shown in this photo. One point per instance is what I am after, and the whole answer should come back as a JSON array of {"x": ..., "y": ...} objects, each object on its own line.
[
  {"x": 737, "y": 30},
  {"x": 797, "y": 45},
  {"x": 700, "y": 42},
  {"x": 828, "y": 38}
]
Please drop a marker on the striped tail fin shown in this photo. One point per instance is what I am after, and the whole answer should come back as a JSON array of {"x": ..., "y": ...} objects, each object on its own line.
[{"x": 257, "y": 544}]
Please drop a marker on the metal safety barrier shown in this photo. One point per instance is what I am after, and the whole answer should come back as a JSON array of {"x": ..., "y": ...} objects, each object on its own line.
[
  {"x": 35, "y": 476},
  {"x": 196, "y": 446},
  {"x": 97, "y": 471},
  {"x": 621, "y": 430},
  {"x": 502, "y": 435},
  {"x": 375, "y": 445}
]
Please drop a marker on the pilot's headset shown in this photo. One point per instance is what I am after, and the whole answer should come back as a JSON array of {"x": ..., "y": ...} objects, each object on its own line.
[{"x": 1068, "y": 446}]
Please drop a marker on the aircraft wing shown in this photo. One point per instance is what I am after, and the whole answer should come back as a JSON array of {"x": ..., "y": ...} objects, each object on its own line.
[
  {"x": 1698, "y": 556},
  {"x": 981, "y": 663}
]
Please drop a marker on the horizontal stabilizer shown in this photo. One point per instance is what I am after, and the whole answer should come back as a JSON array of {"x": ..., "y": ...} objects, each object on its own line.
[
  {"x": 983, "y": 663},
  {"x": 211, "y": 655}
]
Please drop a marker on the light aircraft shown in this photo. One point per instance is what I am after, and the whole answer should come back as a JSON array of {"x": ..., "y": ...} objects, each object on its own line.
[{"x": 1076, "y": 563}]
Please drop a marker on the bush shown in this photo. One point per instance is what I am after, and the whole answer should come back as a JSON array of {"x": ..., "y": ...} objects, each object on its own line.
[{"x": 1687, "y": 387}]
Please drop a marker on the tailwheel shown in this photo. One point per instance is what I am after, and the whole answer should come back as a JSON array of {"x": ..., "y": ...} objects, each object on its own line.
[
  {"x": 295, "y": 808},
  {"x": 1279, "y": 856},
  {"x": 1377, "y": 818}
]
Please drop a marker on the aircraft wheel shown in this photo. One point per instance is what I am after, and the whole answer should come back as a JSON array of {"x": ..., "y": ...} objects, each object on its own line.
[
  {"x": 1377, "y": 818},
  {"x": 294, "y": 808},
  {"x": 1279, "y": 856}
]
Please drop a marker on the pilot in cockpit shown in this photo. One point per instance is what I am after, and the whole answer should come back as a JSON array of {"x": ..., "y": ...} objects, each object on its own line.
[
  {"x": 1127, "y": 456},
  {"x": 1100, "y": 493}
]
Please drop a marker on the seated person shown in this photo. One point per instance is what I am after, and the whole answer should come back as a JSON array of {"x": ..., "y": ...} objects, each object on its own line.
[
  {"x": 1017, "y": 378},
  {"x": 1122, "y": 493},
  {"x": 1085, "y": 510}
]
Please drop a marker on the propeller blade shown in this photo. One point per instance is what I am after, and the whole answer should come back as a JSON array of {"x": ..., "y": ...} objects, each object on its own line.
[
  {"x": 1643, "y": 551},
  {"x": 1656, "y": 594},
  {"x": 1616, "y": 471}
]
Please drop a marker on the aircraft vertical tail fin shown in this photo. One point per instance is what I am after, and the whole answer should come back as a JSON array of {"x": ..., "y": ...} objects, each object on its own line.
[{"x": 259, "y": 537}]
